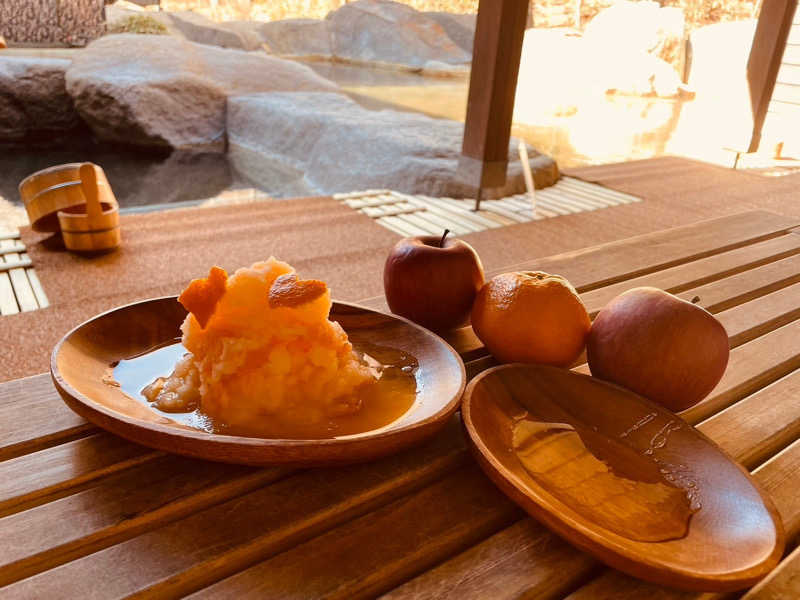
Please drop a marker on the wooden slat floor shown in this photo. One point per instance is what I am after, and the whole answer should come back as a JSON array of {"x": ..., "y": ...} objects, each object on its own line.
[
  {"x": 20, "y": 288},
  {"x": 86, "y": 514},
  {"x": 407, "y": 214}
]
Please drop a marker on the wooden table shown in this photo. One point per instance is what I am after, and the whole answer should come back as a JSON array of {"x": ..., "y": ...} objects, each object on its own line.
[{"x": 84, "y": 514}]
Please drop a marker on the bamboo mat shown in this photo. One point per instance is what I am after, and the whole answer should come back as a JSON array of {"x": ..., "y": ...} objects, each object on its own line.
[
  {"x": 20, "y": 289},
  {"x": 408, "y": 214}
]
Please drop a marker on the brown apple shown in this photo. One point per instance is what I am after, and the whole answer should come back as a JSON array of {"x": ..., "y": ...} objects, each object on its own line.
[
  {"x": 433, "y": 280},
  {"x": 659, "y": 346}
]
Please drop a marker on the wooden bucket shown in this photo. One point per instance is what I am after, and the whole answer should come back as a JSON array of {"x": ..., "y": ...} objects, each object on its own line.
[
  {"x": 92, "y": 226},
  {"x": 46, "y": 192}
]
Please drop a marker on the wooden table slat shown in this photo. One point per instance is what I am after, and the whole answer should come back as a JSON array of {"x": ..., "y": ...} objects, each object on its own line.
[
  {"x": 33, "y": 417},
  {"x": 53, "y": 472},
  {"x": 625, "y": 259},
  {"x": 117, "y": 508},
  {"x": 347, "y": 563},
  {"x": 751, "y": 367},
  {"x": 776, "y": 476},
  {"x": 251, "y": 527},
  {"x": 782, "y": 584},
  {"x": 761, "y": 424},
  {"x": 761, "y": 315},
  {"x": 523, "y": 561},
  {"x": 743, "y": 287},
  {"x": 699, "y": 272}
]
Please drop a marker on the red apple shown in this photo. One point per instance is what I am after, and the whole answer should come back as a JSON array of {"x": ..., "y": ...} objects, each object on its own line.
[
  {"x": 659, "y": 346},
  {"x": 432, "y": 280}
]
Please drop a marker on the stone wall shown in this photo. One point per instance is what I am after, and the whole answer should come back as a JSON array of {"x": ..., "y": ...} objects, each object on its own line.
[{"x": 52, "y": 22}]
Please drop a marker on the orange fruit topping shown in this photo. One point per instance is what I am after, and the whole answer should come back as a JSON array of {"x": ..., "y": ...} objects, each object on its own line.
[
  {"x": 531, "y": 317},
  {"x": 288, "y": 291},
  {"x": 201, "y": 296}
]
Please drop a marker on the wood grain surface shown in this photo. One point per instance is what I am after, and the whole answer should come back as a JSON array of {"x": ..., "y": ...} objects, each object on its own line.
[{"x": 78, "y": 505}]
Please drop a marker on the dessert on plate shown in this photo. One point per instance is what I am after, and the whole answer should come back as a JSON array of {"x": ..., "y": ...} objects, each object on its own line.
[{"x": 262, "y": 349}]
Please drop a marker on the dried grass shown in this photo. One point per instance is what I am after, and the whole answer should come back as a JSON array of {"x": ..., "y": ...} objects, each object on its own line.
[{"x": 138, "y": 24}]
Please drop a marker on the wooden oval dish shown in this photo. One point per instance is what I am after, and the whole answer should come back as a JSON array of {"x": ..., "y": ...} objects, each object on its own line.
[
  {"x": 618, "y": 475},
  {"x": 81, "y": 360}
]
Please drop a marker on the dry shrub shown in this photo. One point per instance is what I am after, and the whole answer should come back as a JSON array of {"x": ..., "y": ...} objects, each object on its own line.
[{"x": 137, "y": 24}]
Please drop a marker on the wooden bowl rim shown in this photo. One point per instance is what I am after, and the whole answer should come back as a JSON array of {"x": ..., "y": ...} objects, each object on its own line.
[
  {"x": 69, "y": 216},
  {"x": 439, "y": 416},
  {"x": 65, "y": 184},
  {"x": 46, "y": 171},
  {"x": 31, "y": 179},
  {"x": 624, "y": 559},
  {"x": 89, "y": 231}
]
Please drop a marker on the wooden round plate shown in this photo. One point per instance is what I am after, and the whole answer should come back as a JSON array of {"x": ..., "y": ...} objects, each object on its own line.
[
  {"x": 81, "y": 360},
  {"x": 622, "y": 478}
]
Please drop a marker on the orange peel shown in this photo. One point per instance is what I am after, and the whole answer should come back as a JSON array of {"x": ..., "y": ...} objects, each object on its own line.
[
  {"x": 202, "y": 295},
  {"x": 289, "y": 291}
]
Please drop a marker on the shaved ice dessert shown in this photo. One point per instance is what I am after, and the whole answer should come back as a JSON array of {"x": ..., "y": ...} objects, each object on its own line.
[{"x": 261, "y": 348}]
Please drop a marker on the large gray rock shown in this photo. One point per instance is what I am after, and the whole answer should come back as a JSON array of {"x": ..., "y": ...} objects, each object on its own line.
[
  {"x": 240, "y": 35},
  {"x": 301, "y": 38},
  {"x": 320, "y": 143},
  {"x": 390, "y": 33},
  {"x": 460, "y": 28},
  {"x": 34, "y": 104},
  {"x": 379, "y": 33},
  {"x": 160, "y": 91}
]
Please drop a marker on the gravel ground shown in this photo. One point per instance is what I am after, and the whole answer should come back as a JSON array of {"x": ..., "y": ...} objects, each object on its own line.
[{"x": 11, "y": 217}]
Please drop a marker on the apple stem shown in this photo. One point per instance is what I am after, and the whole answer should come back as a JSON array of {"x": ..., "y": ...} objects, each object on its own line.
[{"x": 441, "y": 242}]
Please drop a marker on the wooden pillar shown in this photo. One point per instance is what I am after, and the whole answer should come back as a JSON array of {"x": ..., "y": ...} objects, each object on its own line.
[
  {"x": 766, "y": 53},
  {"x": 495, "y": 66}
]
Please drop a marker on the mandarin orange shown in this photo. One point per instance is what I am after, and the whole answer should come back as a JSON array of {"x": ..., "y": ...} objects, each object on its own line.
[{"x": 531, "y": 317}]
